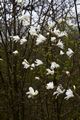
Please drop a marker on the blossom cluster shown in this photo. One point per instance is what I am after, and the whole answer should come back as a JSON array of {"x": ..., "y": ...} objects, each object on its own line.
[
  {"x": 39, "y": 39},
  {"x": 50, "y": 86}
]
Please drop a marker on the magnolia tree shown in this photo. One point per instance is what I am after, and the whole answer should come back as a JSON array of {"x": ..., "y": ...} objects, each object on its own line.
[{"x": 39, "y": 61}]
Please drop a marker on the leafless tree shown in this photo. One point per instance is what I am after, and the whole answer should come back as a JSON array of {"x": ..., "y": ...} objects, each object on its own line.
[{"x": 13, "y": 78}]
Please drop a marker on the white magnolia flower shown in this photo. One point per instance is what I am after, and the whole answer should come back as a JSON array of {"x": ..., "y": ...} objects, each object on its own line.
[
  {"x": 32, "y": 31},
  {"x": 31, "y": 93},
  {"x": 38, "y": 62},
  {"x": 23, "y": 40},
  {"x": 38, "y": 28},
  {"x": 37, "y": 78},
  {"x": 50, "y": 72},
  {"x": 69, "y": 94},
  {"x": 61, "y": 20},
  {"x": 15, "y": 52},
  {"x": 19, "y": 1},
  {"x": 48, "y": 33},
  {"x": 54, "y": 65},
  {"x": 70, "y": 23},
  {"x": 67, "y": 72},
  {"x": 51, "y": 25},
  {"x": 61, "y": 52},
  {"x": 50, "y": 85},
  {"x": 25, "y": 64},
  {"x": 25, "y": 19},
  {"x": 33, "y": 65},
  {"x": 16, "y": 38},
  {"x": 40, "y": 39},
  {"x": 60, "y": 44},
  {"x": 1, "y": 59},
  {"x": 62, "y": 34},
  {"x": 26, "y": 23},
  {"x": 50, "y": 12},
  {"x": 74, "y": 87},
  {"x": 69, "y": 52},
  {"x": 56, "y": 31},
  {"x": 59, "y": 33},
  {"x": 59, "y": 91},
  {"x": 53, "y": 39},
  {"x": 31, "y": 68}
]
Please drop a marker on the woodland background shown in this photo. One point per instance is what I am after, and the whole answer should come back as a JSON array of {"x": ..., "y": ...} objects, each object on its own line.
[{"x": 15, "y": 80}]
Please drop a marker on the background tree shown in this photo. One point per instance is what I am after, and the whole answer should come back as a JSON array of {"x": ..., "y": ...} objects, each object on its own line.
[{"x": 39, "y": 60}]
